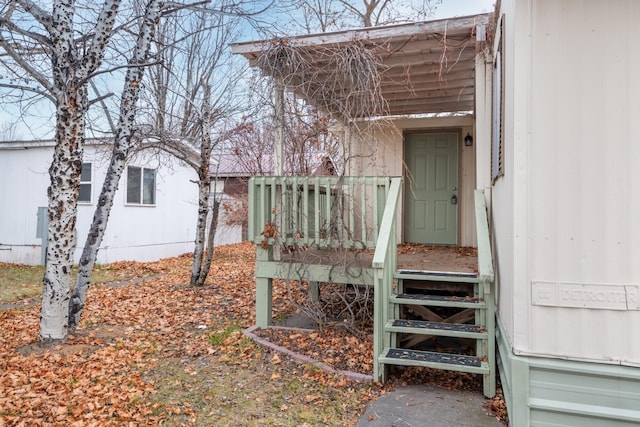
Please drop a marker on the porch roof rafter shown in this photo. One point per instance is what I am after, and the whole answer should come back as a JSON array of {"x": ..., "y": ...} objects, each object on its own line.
[{"x": 425, "y": 67}]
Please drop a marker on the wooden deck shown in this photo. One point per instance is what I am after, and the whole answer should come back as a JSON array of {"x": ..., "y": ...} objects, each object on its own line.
[
  {"x": 423, "y": 258},
  {"x": 290, "y": 215}
]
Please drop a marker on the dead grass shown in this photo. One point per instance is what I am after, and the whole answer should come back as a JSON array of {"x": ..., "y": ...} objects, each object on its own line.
[
  {"x": 263, "y": 390},
  {"x": 23, "y": 283}
]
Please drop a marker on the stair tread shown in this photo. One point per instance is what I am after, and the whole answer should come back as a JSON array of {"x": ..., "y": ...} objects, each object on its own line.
[
  {"x": 435, "y": 273},
  {"x": 425, "y": 324},
  {"x": 439, "y": 298},
  {"x": 402, "y": 354},
  {"x": 426, "y": 275}
]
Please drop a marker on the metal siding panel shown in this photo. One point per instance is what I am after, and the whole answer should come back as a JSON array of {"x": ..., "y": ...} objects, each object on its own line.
[
  {"x": 573, "y": 390},
  {"x": 550, "y": 392},
  {"x": 553, "y": 419},
  {"x": 585, "y": 214}
]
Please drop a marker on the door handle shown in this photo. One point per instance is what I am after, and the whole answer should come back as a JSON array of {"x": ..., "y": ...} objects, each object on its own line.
[{"x": 454, "y": 200}]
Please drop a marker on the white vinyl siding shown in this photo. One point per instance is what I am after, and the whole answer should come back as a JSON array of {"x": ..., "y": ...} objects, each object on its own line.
[{"x": 566, "y": 211}]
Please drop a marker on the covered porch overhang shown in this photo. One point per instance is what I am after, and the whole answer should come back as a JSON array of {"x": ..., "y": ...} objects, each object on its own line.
[{"x": 424, "y": 68}]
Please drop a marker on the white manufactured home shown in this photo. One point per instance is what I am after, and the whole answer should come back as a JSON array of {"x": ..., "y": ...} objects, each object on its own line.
[
  {"x": 509, "y": 132},
  {"x": 153, "y": 215},
  {"x": 565, "y": 212}
]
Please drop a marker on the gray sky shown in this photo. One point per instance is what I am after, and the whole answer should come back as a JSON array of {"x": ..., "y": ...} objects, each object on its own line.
[
  {"x": 40, "y": 120},
  {"x": 451, "y": 8}
]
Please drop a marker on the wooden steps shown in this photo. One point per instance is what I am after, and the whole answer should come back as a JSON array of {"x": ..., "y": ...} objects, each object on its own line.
[
  {"x": 425, "y": 307},
  {"x": 420, "y": 316}
]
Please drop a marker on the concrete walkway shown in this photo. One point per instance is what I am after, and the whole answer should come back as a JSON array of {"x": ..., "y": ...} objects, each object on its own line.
[{"x": 427, "y": 406}]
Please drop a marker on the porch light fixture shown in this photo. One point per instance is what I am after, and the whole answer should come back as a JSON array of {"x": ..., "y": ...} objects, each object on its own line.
[{"x": 468, "y": 140}]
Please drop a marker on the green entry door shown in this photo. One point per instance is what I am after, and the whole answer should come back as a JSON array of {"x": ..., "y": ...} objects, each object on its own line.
[{"x": 431, "y": 188}]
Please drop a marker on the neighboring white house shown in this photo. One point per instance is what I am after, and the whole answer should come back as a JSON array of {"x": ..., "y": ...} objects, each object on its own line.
[{"x": 153, "y": 216}]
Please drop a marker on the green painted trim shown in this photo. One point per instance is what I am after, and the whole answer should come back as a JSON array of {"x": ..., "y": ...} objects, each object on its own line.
[
  {"x": 591, "y": 368},
  {"x": 545, "y": 391},
  {"x": 483, "y": 369},
  {"x": 251, "y": 218},
  {"x": 436, "y": 277},
  {"x": 315, "y": 211},
  {"x": 387, "y": 229},
  {"x": 314, "y": 272},
  {"x": 514, "y": 376},
  {"x": 434, "y": 332},
  {"x": 592, "y": 411},
  {"x": 384, "y": 265},
  {"x": 486, "y": 287},
  {"x": 435, "y": 303}
]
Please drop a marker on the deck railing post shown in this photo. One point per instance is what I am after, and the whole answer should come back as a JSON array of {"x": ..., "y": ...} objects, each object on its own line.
[{"x": 264, "y": 289}]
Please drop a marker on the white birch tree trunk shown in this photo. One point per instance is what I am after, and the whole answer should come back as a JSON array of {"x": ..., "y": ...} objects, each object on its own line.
[
  {"x": 63, "y": 198},
  {"x": 204, "y": 189},
  {"x": 121, "y": 148},
  {"x": 71, "y": 69},
  {"x": 210, "y": 248}
]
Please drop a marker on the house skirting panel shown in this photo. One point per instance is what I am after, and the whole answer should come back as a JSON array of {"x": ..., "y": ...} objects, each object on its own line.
[{"x": 542, "y": 391}]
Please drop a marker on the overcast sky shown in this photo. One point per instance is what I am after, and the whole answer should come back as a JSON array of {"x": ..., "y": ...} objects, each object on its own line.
[
  {"x": 451, "y": 8},
  {"x": 40, "y": 121}
]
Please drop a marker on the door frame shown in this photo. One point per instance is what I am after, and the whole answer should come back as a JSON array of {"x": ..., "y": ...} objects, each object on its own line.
[{"x": 454, "y": 130}]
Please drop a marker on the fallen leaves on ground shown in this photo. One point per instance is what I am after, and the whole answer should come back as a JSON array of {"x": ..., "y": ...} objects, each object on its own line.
[
  {"x": 157, "y": 352},
  {"x": 334, "y": 346},
  {"x": 161, "y": 352}
]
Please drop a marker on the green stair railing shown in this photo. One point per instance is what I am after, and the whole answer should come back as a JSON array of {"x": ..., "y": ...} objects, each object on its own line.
[
  {"x": 384, "y": 266},
  {"x": 486, "y": 280}
]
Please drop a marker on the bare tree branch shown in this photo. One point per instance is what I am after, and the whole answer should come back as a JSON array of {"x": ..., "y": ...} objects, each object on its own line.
[
  {"x": 29, "y": 89},
  {"x": 34, "y": 10},
  {"x": 24, "y": 63}
]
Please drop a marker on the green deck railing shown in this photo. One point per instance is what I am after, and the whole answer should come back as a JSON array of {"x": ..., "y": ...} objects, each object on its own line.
[{"x": 317, "y": 212}]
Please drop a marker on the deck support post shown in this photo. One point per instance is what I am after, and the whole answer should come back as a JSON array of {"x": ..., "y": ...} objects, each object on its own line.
[
  {"x": 314, "y": 291},
  {"x": 264, "y": 291}
]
